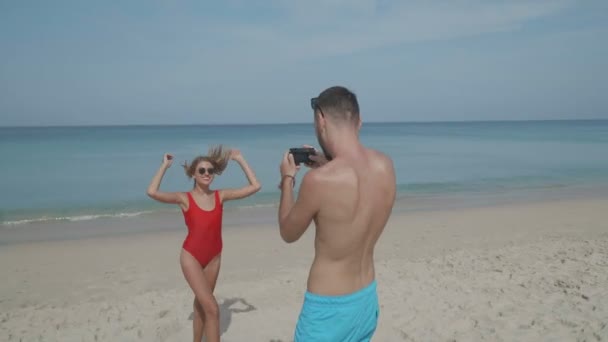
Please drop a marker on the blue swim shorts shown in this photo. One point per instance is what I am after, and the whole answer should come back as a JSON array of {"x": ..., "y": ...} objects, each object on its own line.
[{"x": 351, "y": 317}]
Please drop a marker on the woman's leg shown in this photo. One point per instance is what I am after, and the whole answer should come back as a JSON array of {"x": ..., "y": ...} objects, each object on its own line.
[
  {"x": 211, "y": 273},
  {"x": 197, "y": 322},
  {"x": 200, "y": 285}
]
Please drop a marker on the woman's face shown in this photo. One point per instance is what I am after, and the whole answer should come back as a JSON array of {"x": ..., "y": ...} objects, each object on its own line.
[{"x": 204, "y": 173}]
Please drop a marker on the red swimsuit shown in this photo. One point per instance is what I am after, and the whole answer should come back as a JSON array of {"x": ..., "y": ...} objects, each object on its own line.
[{"x": 204, "y": 240}]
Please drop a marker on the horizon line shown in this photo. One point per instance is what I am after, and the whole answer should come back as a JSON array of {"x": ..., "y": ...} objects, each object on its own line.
[{"x": 292, "y": 123}]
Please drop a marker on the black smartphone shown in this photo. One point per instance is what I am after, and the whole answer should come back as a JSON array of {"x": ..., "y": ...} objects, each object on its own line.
[{"x": 302, "y": 154}]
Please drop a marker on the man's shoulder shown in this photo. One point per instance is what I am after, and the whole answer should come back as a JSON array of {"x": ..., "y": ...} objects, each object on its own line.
[
  {"x": 317, "y": 181},
  {"x": 380, "y": 158},
  {"x": 323, "y": 173},
  {"x": 313, "y": 177},
  {"x": 333, "y": 172}
]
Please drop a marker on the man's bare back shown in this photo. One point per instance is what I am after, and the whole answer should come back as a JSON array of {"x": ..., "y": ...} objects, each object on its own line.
[
  {"x": 349, "y": 194},
  {"x": 356, "y": 196}
]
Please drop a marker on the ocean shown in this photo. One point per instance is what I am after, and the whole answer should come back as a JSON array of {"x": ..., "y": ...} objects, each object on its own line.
[{"x": 86, "y": 173}]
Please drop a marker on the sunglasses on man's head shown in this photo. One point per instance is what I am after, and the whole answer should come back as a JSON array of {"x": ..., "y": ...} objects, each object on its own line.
[
  {"x": 203, "y": 170},
  {"x": 313, "y": 103},
  {"x": 315, "y": 106}
]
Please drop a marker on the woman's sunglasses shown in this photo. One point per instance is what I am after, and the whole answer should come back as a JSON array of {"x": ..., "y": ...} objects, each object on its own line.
[{"x": 203, "y": 170}]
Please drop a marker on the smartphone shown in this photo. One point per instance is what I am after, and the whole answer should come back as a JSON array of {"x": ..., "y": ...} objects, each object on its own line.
[{"x": 302, "y": 154}]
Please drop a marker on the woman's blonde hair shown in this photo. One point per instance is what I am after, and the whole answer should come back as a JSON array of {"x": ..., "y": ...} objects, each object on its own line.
[{"x": 218, "y": 156}]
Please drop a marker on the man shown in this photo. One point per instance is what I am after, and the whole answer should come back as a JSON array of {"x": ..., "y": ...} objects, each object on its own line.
[{"x": 349, "y": 193}]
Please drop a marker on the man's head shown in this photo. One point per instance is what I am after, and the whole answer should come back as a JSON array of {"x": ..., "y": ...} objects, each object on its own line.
[{"x": 335, "y": 107}]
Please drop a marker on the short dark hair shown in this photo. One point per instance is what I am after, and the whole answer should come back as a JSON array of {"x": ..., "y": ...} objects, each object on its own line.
[{"x": 337, "y": 102}]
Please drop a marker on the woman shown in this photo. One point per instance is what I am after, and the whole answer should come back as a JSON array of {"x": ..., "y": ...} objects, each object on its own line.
[{"x": 202, "y": 209}]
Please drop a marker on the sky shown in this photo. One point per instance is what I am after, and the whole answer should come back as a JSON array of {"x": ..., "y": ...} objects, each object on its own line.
[{"x": 242, "y": 61}]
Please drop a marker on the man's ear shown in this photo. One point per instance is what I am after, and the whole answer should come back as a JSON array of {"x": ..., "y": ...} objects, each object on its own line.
[
  {"x": 359, "y": 124},
  {"x": 321, "y": 121}
]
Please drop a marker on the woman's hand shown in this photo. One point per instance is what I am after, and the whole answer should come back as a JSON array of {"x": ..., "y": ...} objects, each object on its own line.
[
  {"x": 235, "y": 154},
  {"x": 167, "y": 160}
]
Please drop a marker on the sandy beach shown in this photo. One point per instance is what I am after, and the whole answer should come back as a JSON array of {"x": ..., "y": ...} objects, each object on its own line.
[
  {"x": 510, "y": 272},
  {"x": 488, "y": 119}
]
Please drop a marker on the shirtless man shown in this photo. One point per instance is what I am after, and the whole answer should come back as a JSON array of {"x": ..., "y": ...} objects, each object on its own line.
[{"x": 349, "y": 193}]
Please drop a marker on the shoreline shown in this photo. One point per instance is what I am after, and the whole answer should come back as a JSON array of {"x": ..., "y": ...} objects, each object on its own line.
[
  {"x": 237, "y": 217},
  {"x": 425, "y": 200}
]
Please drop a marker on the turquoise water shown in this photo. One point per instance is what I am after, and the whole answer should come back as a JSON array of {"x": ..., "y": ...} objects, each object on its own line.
[{"x": 80, "y": 173}]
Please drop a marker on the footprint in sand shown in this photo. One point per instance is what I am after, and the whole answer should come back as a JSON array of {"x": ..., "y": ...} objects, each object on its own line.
[
  {"x": 165, "y": 330},
  {"x": 163, "y": 313}
]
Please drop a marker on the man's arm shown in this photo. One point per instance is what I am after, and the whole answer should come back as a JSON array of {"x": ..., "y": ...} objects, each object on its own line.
[{"x": 294, "y": 218}]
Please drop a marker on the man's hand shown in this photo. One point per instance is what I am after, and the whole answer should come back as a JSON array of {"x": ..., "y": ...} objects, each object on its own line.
[
  {"x": 318, "y": 159},
  {"x": 288, "y": 166}
]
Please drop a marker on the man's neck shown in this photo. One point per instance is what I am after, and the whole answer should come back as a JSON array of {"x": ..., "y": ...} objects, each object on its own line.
[{"x": 345, "y": 144}]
